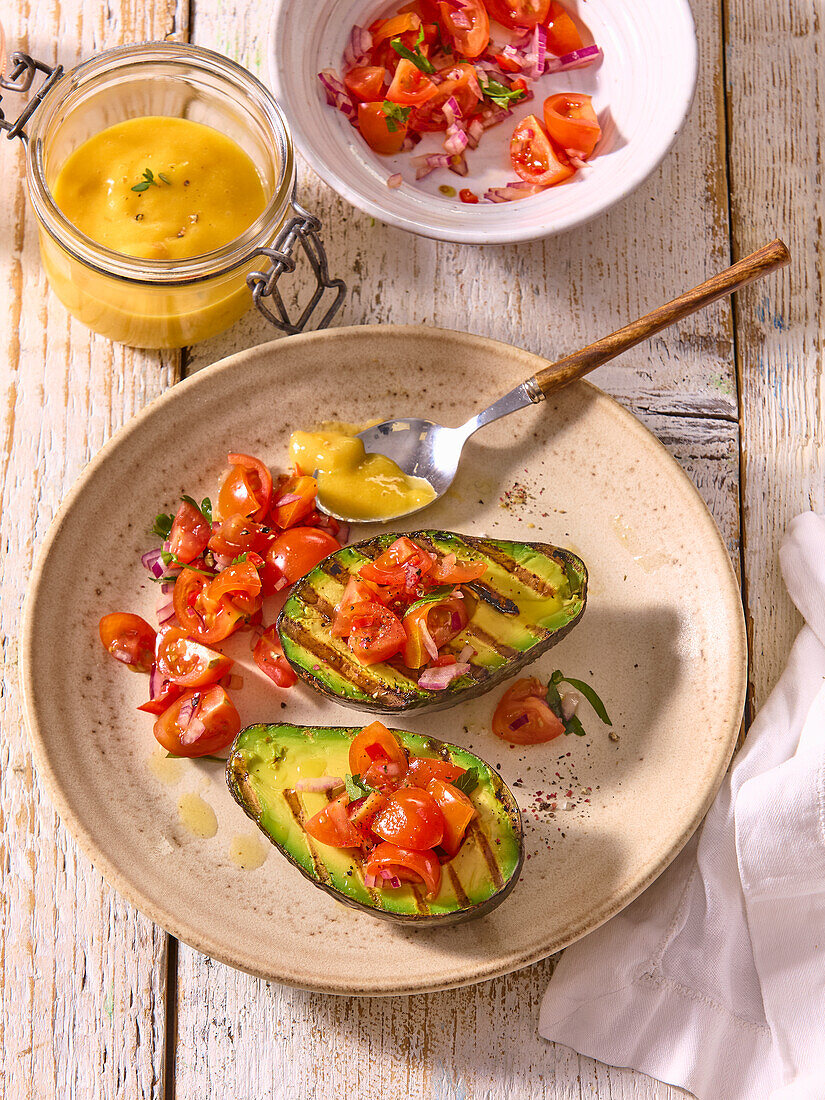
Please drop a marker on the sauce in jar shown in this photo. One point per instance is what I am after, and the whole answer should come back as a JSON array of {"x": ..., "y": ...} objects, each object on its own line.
[{"x": 160, "y": 188}]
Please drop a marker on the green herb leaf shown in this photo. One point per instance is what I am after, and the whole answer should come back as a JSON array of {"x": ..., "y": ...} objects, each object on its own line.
[
  {"x": 395, "y": 113},
  {"x": 438, "y": 594},
  {"x": 468, "y": 781},
  {"x": 241, "y": 558},
  {"x": 164, "y": 178},
  {"x": 499, "y": 93},
  {"x": 141, "y": 187},
  {"x": 163, "y": 525},
  {"x": 587, "y": 691},
  {"x": 206, "y": 508},
  {"x": 168, "y": 557},
  {"x": 554, "y": 700},
  {"x": 573, "y": 725},
  {"x": 356, "y": 787},
  {"x": 416, "y": 56},
  {"x": 149, "y": 175}
]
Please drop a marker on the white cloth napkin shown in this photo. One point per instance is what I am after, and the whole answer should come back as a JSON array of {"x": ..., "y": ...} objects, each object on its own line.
[{"x": 714, "y": 979}]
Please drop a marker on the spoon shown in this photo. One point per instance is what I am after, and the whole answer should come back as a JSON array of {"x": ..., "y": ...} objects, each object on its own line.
[{"x": 430, "y": 451}]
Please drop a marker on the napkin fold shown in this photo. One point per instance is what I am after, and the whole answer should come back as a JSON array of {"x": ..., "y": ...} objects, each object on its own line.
[{"x": 714, "y": 979}]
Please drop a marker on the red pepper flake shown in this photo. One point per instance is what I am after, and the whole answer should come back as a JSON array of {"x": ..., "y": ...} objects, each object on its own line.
[
  {"x": 466, "y": 195},
  {"x": 569, "y": 794}
]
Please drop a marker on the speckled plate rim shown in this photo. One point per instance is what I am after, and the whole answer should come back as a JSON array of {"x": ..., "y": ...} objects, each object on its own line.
[{"x": 729, "y": 724}]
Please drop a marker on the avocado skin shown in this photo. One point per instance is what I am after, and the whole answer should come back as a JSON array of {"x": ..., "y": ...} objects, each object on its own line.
[
  {"x": 411, "y": 697},
  {"x": 243, "y": 791}
]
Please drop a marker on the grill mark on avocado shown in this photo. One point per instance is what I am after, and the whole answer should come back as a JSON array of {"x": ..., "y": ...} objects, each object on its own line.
[
  {"x": 420, "y": 904},
  {"x": 312, "y": 599},
  {"x": 347, "y": 670},
  {"x": 458, "y": 889},
  {"x": 297, "y": 810},
  {"x": 488, "y": 640},
  {"x": 478, "y": 834},
  {"x": 528, "y": 579}
]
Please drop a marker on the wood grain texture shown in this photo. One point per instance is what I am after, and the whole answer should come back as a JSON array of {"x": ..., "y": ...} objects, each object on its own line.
[
  {"x": 83, "y": 975},
  {"x": 776, "y": 64}
]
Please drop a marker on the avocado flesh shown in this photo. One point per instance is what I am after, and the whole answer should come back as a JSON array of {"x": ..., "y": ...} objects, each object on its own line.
[
  {"x": 547, "y": 585},
  {"x": 267, "y": 761}
]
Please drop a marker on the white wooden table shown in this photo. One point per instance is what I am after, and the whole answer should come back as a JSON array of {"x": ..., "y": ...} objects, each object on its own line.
[{"x": 97, "y": 1001}]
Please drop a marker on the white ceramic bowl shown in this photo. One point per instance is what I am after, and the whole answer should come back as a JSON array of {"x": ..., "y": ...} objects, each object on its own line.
[{"x": 642, "y": 90}]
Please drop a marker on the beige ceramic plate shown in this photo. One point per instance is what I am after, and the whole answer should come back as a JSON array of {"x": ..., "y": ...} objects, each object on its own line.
[{"x": 662, "y": 640}]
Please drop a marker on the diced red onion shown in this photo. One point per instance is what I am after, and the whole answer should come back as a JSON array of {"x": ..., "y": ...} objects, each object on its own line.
[
  {"x": 356, "y": 51},
  {"x": 492, "y": 115},
  {"x": 451, "y": 109},
  {"x": 394, "y": 181},
  {"x": 475, "y": 132},
  {"x": 576, "y": 160},
  {"x": 193, "y": 731},
  {"x": 390, "y": 771},
  {"x": 281, "y": 583},
  {"x": 389, "y": 879},
  {"x": 569, "y": 705},
  {"x": 522, "y": 720},
  {"x": 156, "y": 681},
  {"x": 516, "y": 190},
  {"x": 336, "y": 93},
  {"x": 578, "y": 59},
  {"x": 320, "y": 784},
  {"x": 152, "y": 561},
  {"x": 186, "y": 711},
  {"x": 222, "y": 561},
  {"x": 428, "y": 163},
  {"x": 456, "y": 140},
  {"x": 437, "y": 679},
  {"x": 459, "y": 165},
  {"x": 466, "y": 653},
  {"x": 343, "y": 533},
  {"x": 287, "y": 498},
  {"x": 411, "y": 139},
  {"x": 538, "y": 53},
  {"x": 370, "y": 881},
  {"x": 427, "y": 639},
  {"x": 165, "y": 609}
]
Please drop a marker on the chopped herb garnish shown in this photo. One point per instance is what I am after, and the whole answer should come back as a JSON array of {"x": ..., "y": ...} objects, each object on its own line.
[
  {"x": 573, "y": 724},
  {"x": 356, "y": 787},
  {"x": 499, "y": 93},
  {"x": 206, "y": 508},
  {"x": 150, "y": 181},
  {"x": 241, "y": 558},
  {"x": 162, "y": 526},
  {"x": 416, "y": 56},
  {"x": 167, "y": 557},
  {"x": 395, "y": 113},
  {"x": 468, "y": 781}
]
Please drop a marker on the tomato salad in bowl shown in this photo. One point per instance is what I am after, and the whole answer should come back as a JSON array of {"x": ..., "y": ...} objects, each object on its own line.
[
  {"x": 452, "y": 70},
  {"x": 214, "y": 568}
]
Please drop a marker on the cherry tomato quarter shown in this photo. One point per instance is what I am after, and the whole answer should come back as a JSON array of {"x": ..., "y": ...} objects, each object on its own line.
[
  {"x": 200, "y": 723},
  {"x": 129, "y": 639}
]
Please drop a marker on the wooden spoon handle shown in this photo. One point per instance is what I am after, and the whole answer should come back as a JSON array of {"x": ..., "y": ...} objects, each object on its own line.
[{"x": 769, "y": 258}]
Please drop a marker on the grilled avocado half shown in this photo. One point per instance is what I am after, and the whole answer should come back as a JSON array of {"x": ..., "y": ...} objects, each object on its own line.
[
  {"x": 530, "y": 596},
  {"x": 266, "y": 762}
]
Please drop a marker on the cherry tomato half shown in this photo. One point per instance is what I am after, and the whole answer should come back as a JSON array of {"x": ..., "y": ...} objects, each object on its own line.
[
  {"x": 460, "y": 83},
  {"x": 189, "y": 663},
  {"x": 523, "y": 717},
  {"x": 199, "y": 723},
  {"x": 422, "y": 769},
  {"x": 410, "y": 85},
  {"x": 375, "y": 744},
  {"x": 415, "y": 867},
  {"x": 247, "y": 488},
  {"x": 376, "y": 634},
  {"x": 240, "y": 579},
  {"x": 562, "y": 33},
  {"x": 298, "y": 492},
  {"x": 332, "y": 825},
  {"x": 518, "y": 13},
  {"x": 190, "y": 532},
  {"x": 468, "y": 26},
  {"x": 203, "y": 618},
  {"x": 572, "y": 123},
  {"x": 269, "y": 658},
  {"x": 375, "y": 129},
  {"x": 299, "y": 549},
  {"x": 457, "y": 811},
  {"x": 534, "y": 157},
  {"x": 365, "y": 83},
  {"x": 442, "y": 621},
  {"x": 237, "y": 534},
  {"x": 129, "y": 639},
  {"x": 410, "y": 819},
  {"x": 402, "y": 565},
  {"x": 356, "y": 591},
  {"x": 448, "y": 570},
  {"x": 392, "y": 28}
]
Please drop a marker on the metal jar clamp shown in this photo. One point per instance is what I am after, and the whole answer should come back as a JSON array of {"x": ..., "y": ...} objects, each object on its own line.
[{"x": 303, "y": 229}]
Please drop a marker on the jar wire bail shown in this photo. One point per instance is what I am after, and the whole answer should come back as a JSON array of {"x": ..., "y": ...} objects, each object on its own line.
[{"x": 20, "y": 79}]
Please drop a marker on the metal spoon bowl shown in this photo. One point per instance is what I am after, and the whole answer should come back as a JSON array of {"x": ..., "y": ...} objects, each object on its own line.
[{"x": 430, "y": 451}]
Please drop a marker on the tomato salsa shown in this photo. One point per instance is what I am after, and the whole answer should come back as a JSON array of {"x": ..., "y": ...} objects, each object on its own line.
[
  {"x": 215, "y": 567},
  {"x": 405, "y": 815},
  {"x": 458, "y": 68}
]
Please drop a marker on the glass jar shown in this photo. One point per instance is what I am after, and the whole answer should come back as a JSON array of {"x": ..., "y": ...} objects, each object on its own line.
[{"x": 165, "y": 303}]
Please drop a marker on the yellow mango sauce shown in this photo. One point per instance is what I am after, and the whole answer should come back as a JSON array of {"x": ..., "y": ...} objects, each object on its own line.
[
  {"x": 197, "y": 191},
  {"x": 353, "y": 484}
]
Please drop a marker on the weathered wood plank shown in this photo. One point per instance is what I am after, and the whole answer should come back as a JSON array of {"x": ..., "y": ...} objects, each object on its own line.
[
  {"x": 83, "y": 974},
  {"x": 776, "y": 82},
  {"x": 550, "y": 296},
  {"x": 235, "y": 1032}
]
